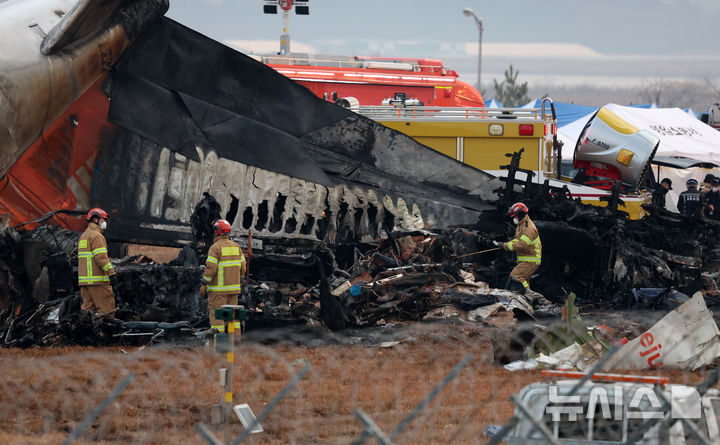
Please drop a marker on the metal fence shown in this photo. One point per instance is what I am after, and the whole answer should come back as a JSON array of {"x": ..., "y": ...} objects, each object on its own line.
[{"x": 418, "y": 383}]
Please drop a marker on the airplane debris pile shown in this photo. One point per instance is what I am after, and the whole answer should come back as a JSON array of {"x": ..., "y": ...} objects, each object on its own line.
[
  {"x": 40, "y": 303},
  {"x": 602, "y": 256},
  {"x": 160, "y": 292},
  {"x": 685, "y": 338},
  {"x": 408, "y": 276},
  {"x": 293, "y": 281},
  {"x": 603, "y": 259}
]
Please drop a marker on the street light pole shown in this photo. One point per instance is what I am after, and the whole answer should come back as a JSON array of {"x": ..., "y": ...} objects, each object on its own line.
[{"x": 469, "y": 13}]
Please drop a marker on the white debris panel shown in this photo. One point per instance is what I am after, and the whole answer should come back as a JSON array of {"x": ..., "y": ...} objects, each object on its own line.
[{"x": 686, "y": 338}]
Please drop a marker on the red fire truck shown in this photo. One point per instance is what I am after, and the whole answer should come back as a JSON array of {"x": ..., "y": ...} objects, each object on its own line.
[{"x": 354, "y": 81}]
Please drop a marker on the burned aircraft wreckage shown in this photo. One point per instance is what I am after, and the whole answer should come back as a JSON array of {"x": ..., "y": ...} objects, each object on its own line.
[
  {"x": 352, "y": 222},
  {"x": 178, "y": 114}
]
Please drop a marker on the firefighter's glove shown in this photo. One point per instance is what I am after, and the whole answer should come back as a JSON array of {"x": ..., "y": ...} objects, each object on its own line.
[
  {"x": 113, "y": 281},
  {"x": 497, "y": 244},
  {"x": 203, "y": 290}
]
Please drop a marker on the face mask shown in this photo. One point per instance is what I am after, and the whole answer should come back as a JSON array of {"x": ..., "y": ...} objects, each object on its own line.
[
  {"x": 103, "y": 225},
  {"x": 714, "y": 189},
  {"x": 516, "y": 221}
]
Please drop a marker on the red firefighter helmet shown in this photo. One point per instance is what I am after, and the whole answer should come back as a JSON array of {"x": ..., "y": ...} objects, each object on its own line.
[
  {"x": 221, "y": 227},
  {"x": 97, "y": 212},
  {"x": 516, "y": 209}
]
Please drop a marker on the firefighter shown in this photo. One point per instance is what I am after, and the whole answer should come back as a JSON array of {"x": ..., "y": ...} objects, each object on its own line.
[
  {"x": 224, "y": 269},
  {"x": 526, "y": 244},
  {"x": 96, "y": 275},
  {"x": 689, "y": 200}
]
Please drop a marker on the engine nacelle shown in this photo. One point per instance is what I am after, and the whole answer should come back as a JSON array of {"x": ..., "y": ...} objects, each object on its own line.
[{"x": 614, "y": 146}]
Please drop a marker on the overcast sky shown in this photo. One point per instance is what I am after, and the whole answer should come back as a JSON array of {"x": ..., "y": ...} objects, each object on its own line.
[{"x": 563, "y": 41}]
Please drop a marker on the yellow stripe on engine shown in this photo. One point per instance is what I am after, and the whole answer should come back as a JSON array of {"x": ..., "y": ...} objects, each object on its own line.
[{"x": 616, "y": 122}]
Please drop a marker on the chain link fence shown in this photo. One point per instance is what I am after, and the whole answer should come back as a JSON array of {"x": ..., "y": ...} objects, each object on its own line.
[{"x": 435, "y": 382}]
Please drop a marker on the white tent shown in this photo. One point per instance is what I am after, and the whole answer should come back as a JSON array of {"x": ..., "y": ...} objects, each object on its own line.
[
  {"x": 680, "y": 134},
  {"x": 492, "y": 103}
]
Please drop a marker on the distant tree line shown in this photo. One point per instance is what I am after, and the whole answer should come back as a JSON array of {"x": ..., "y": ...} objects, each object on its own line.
[{"x": 663, "y": 92}]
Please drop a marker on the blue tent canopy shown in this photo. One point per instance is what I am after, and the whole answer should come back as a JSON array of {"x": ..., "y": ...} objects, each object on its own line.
[
  {"x": 565, "y": 112},
  {"x": 492, "y": 103}
]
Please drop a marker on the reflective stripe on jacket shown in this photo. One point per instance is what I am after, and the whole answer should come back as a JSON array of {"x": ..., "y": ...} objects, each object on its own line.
[
  {"x": 689, "y": 202},
  {"x": 225, "y": 267},
  {"x": 526, "y": 243},
  {"x": 94, "y": 266}
]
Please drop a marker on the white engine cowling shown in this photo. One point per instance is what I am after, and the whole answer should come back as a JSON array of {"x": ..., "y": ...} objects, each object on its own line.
[{"x": 609, "y": 140}]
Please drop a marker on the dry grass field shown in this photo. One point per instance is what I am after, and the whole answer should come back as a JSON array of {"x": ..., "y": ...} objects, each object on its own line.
[{"x": 45, "y": 393}]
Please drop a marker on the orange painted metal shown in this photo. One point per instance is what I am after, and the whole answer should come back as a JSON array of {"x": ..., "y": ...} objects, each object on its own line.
[
  {"x": 56, "y": 172},
  {"x": 562, "y": 374}
]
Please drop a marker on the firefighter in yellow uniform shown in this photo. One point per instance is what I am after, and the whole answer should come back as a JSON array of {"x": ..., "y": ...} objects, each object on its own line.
[
  {"x": 96, "y": 275},
  {"x": 224, "y": 270},
  {"x": 526, "y": 244}
]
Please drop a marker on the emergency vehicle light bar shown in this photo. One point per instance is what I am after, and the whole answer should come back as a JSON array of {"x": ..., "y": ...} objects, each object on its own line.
[{"x": 607, "y": 377}]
